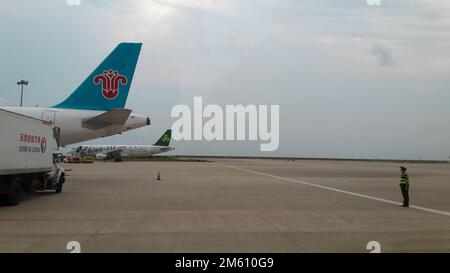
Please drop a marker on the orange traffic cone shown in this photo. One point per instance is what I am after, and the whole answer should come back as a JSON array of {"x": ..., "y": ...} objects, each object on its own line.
[{"x": 158, "y": 177}]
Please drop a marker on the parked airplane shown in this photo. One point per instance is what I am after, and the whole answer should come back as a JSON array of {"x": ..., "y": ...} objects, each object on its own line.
[
  {"x": 96, "y": 108},
  {"x": 103, "y": 152}
]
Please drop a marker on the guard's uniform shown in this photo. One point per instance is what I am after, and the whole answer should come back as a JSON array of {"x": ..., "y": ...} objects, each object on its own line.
[{"x": 404, "y": 186}]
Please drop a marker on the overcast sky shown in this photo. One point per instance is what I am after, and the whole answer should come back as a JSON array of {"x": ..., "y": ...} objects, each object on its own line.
[{"x": 352, "y": 80}]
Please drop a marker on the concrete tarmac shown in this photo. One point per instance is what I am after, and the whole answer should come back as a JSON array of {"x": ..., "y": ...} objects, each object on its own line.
[{"x": 235, "y": 205}]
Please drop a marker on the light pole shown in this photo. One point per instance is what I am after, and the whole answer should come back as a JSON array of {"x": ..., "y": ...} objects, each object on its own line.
[{"x": 22, "y": 83}]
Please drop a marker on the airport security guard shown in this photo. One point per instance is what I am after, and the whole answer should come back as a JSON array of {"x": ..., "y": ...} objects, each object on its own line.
[{"x": 404, "y": 186}]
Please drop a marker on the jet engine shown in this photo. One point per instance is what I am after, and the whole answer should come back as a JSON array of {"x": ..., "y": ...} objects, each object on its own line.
[{"x": 101, "y": 156}]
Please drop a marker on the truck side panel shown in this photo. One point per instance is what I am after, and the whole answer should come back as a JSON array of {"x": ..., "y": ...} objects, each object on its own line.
[{"x": 26, "y": 144}]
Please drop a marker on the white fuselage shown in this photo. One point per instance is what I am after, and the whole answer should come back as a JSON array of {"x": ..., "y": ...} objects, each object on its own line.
[
  {"x": 125, "y": 150},
  {"x": 70, "y": 121}
]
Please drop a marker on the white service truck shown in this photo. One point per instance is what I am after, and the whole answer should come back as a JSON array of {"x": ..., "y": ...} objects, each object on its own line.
[{"x": 26, "y": 157}]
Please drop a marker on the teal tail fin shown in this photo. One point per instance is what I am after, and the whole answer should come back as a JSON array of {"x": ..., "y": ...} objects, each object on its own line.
[
  {"x": 165, "y": 139},
  {"x": 108, "y": 86}
]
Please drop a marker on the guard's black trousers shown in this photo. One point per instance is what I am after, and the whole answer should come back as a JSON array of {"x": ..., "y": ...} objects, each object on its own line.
[{"x": 405, "y": 193}]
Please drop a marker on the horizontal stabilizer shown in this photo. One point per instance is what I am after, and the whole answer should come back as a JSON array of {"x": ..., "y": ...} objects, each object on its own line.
[{"x": 111, "y": 117}]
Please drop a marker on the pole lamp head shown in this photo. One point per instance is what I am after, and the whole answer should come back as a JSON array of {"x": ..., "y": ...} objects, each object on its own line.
[{"x": 22, "y": 82}]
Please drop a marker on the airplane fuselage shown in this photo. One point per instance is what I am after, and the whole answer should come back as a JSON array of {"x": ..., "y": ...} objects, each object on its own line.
[
  {"x": 70, "y": 121},
  {"x": 125, "y": 150}
]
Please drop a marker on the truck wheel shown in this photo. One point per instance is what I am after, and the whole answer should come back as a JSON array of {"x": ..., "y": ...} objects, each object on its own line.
[
  {"x": 14, "y": 198},
  {"x": 60, "y": 184},
  {"x": 32, "y": 186}
]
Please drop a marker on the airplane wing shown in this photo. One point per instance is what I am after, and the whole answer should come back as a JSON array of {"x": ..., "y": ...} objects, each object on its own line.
[
  {"x": 111, "y": 117},
  {"x": 114, "y": 154}
]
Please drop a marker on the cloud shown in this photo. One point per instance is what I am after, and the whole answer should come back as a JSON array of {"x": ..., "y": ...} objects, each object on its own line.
[
  {"x": 383, "y": 54},
  {"x": 317, "y": 59}
]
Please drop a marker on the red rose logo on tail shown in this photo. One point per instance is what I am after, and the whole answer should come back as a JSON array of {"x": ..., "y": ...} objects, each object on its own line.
[{"x": 110, "y": 81}]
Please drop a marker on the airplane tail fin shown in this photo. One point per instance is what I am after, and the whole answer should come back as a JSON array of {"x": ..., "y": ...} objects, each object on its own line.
[
  {"x": 165, "y": 139},
  {"x": 108, "y": 85}
]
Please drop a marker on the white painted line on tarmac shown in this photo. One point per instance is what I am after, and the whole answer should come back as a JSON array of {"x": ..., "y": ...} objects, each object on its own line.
[{"x": 337, "y": 190}]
